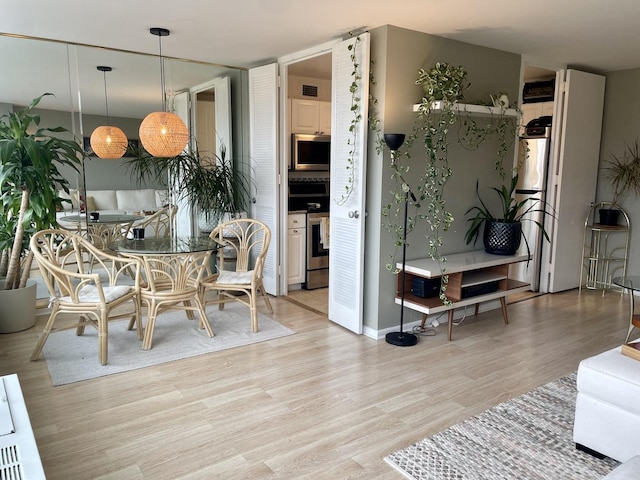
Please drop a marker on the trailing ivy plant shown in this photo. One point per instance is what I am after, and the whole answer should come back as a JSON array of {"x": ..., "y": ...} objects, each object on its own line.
[
  {"x": 356, "y": 76},
  {"x": 473, "y": 131}
]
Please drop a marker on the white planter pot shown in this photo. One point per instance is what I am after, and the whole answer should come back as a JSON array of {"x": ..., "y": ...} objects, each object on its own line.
[{"x": 18, "y": 310}]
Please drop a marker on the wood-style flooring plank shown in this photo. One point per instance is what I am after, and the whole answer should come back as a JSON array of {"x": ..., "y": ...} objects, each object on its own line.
[{"x": 321, "y": 404}]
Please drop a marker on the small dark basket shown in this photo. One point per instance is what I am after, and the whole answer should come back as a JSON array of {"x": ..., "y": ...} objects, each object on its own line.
[{"x": 502, "y": 238}]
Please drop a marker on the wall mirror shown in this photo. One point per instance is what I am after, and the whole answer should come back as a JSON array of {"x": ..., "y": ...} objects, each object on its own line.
[{"x": 32, "y": 66}]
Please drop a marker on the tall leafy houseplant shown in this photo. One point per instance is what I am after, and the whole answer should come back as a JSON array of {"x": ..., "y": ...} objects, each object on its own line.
[
  {"x": 623, "y": 172},
  {"x": 30, "y": 181},
  {"x": 208, "y": 183}
]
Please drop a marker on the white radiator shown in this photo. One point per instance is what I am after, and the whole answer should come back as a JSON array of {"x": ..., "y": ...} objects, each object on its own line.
[{"x": 19, "y": 457}]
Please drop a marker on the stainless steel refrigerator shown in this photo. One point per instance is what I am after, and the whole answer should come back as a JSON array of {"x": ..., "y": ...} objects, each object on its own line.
[{"x": 533, "y": 159}]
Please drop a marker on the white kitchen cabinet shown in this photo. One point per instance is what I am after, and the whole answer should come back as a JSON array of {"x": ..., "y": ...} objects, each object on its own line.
[
  {"x": 296, "y": 248},
  {"x": 535, "y": 110},
  {"x": 310, "y": 116}
]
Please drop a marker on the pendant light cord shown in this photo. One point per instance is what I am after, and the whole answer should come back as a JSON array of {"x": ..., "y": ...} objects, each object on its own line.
[
  {"x": 162, "y": 86},
  {"x": 106, "y": 101}
]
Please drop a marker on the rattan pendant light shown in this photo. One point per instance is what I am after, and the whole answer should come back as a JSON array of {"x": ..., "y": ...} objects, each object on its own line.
[
  {"x": 163, "y": 134},
  {"x": 108, "y": 141}
]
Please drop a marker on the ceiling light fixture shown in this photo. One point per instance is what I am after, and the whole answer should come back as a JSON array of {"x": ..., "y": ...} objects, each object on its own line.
[
  {"x": 163, "y": 134},
  {"x": 108, "y": 141}
]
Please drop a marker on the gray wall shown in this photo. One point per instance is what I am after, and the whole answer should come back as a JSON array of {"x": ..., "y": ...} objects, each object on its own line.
[
  {"x": 100, "y": 174},
  {"x": 621, "y": 123},
  {"x": 397, "y": 55}
]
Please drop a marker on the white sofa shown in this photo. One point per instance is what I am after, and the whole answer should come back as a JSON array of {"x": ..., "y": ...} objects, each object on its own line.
[
  {"x": 115, "y": 201},
  {"x": 607, "y": 417}
]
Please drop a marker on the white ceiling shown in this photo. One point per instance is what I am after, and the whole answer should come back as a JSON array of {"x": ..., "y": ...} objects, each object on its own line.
[{"x": 594, "y": 35}]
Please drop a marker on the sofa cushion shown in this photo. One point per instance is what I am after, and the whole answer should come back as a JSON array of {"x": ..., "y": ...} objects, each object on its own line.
[
  {"x": 103, "y": 200},
  {"x": 629, "y": 470},
  {"x": 90, "y": 203},
  {"x": 136, "y": 200},
  {"x": 612, "y": 378}
]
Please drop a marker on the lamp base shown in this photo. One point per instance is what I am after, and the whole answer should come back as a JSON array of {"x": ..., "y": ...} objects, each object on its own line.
[{"x": 401, "y": 339}]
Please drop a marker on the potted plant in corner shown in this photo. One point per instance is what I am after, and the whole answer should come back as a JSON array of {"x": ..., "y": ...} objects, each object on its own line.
[
  {"x": 211, "y": 184},
  {"x": 503, "y": 233},
  {"x": 623, "y": 172},
  {"x": 30, "y": 182}
]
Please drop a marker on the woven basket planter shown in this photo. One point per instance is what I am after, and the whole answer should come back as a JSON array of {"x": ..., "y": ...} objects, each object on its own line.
[{"x": 502, "y": 238}]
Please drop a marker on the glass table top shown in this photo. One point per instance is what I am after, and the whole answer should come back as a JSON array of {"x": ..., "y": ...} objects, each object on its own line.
[
  {"x": 164, "y": 245},
  {"x": 104, "y": 218},
  {"x": 630, "y": 281}
]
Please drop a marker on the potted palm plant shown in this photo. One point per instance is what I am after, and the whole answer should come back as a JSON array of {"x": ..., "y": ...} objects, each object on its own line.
[
  {"x": 209, "y": 183},
  {"x": 30, "y": 182},
  {"x": 503, "y": 233},
  {"x": 623, "y": 172}
]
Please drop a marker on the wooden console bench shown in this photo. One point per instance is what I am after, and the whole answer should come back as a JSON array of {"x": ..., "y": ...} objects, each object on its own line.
[{"x": 474, "y": 277}]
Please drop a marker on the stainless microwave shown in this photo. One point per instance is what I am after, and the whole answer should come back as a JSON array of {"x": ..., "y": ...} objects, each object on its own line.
[{"x": 310, "y": 152}]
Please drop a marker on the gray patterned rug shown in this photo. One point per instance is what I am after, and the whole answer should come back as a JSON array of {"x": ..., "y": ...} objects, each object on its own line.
[{"x": 529, "y": 437}]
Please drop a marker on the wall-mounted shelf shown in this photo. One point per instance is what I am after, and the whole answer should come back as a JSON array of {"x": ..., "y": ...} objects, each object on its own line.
[{"x": 479, "y": 110}]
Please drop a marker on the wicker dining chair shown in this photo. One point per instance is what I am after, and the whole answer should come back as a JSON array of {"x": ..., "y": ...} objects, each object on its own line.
[
  {"x": 92, "y": 293},
  {"x": 159, "y": 223},
  {"x": 244, "y": 240}
]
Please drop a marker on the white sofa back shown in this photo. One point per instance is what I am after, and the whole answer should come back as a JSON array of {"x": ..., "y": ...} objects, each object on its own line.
[{"x": 125, "y": 201}]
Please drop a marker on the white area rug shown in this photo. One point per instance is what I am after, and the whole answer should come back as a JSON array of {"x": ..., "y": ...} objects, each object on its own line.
[{"x": 71, "y": 358}]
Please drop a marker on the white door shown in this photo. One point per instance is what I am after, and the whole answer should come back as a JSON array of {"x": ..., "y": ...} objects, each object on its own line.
[
  {"x": 577, "y": 126},
  {"x": 184, "y": 216},
  {"x": 347, "y": 218},
  {"x": 263, "y": 132}
]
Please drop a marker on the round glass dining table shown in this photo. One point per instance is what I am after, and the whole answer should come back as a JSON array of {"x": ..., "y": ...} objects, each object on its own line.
[
  {"x": 631, "y": 283},
  {"x": 164, "y": 245},
  {"x": 104, "y": 230},
  {"x": 172, "y": 268},
  {"x": 105, "y": 218}
]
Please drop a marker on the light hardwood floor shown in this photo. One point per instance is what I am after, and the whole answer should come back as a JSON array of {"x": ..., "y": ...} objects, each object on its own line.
[{"x": 321, "y": 404}]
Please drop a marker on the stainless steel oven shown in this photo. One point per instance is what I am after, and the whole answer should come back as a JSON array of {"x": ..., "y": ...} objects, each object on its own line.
[{"x": 317, "y": 275}]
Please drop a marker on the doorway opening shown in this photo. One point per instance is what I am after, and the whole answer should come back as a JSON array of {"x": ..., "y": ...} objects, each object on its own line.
[{"x": 308, "y": 123}]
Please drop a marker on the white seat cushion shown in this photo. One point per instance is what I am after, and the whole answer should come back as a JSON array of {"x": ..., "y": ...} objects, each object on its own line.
[
  {"x": 235, "y": 278},
  {"x": 89, "y": 293}
]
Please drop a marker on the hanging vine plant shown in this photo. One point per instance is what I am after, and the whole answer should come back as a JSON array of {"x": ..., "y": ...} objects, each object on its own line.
[
  {"x": 356, "y": 76},
  {"x": 472, "y": 132}
]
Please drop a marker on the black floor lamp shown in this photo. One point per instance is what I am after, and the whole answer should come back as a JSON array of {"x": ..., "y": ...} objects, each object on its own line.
[{"x": 402, "y": 339}]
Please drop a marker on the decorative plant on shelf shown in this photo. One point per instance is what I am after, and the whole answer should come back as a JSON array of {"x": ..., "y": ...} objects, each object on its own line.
[
  {"x": 30, "y": 182},
  {"x": 623, "y": 172},
  {"x": 443, "y": 82},
  {"x": 503, "y": 233}
]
